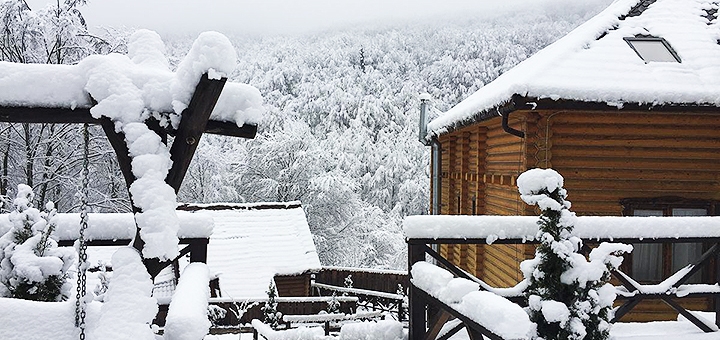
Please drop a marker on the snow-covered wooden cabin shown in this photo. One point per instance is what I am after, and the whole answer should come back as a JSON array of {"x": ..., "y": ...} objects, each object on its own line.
[
  {"x": 626, "y": 107},
  {"x": 253, "y": 244}
]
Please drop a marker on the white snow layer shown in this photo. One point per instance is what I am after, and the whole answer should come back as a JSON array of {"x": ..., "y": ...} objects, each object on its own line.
[
  {"x": 129, "y": 309},
  {"x": 25, "y": 320},
  {"x": 187, "y": 317},
  {"x": 265, "y": 242},
  {"x": 118, "y": 226},
  {"x": 492, "y": 228},
  {"x": 491, "y": 311},
  {"x": 582, "y": 67},
  {"x": 140, "y": 81}
]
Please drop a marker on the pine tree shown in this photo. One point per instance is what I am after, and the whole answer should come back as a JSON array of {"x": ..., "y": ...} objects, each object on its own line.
[
  {"x": 32, "y": 267},
  {"x": 568, "y": 297},
  {"x": 271, "y": 315}
]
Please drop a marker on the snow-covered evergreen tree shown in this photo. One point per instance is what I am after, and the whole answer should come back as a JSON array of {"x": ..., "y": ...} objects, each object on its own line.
[
  {"x": 568, "y": 297},
  {"x": 271, "y": 316},
  {"x": 32, "y": 267}
]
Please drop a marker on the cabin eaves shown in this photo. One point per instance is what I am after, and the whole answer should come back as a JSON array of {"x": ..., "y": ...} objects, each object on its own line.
[{"x": 592, "y": 67}]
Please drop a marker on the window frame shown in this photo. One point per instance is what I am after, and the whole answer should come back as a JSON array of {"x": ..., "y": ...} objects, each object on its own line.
[{"x": 667, "y": 204}]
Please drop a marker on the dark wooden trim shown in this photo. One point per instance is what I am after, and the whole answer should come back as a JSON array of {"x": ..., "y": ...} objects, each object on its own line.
[
  {"x": 117, "y": 141},
  {"x": 82, "y": 115},
  {"x": 192, "y": 125},
  {"x": 436, "y": 324},
  {"x": 121, "y": 242},
  {"x": 670, "y": 302},
  {"x": 416, "y": 305},
  {"x": 46, "y": 115},
  {"x": 452, "y": 332},
  {"x": 231, "y": 129}
]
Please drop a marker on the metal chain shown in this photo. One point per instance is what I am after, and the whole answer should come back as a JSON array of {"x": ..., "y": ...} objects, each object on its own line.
[{"x": 80, "y": 302}]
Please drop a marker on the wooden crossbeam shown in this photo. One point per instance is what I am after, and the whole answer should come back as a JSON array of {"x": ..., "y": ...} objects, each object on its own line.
[
  {"x": 192, "y": 125},
  {"x": 82, "y": 115}
]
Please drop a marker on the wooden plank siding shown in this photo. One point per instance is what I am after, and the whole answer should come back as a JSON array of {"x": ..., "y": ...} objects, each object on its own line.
[
  {"x": 608, "y": 156},
  {"x": 480, "y": 165},
  {"x": 604, "y": 156}
]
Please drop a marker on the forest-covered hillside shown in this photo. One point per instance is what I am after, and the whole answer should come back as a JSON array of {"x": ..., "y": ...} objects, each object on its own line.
[{"x": 340, "y": 131}]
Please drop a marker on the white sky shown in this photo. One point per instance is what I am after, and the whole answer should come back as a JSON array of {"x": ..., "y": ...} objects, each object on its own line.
[{"x": 272, "y": 16}]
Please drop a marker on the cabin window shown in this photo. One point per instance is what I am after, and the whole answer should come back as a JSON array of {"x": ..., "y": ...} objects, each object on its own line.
[{"x": 653, "y": 262}]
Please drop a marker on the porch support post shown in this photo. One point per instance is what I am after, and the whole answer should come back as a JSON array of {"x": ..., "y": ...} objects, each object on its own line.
[
  {"x": 717, "y": 281},
  {"x": 417, "y": 305}
]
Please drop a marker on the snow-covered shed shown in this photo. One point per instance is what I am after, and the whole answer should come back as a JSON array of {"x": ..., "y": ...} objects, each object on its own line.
[
  {"x": 254, "y": 243},
  {"x": 626, "y": 107}
]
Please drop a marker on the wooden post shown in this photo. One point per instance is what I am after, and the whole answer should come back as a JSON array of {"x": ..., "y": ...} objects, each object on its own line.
[
  {"x": 416, "y": 309},
  {"x": 717, "y": 281},
  {"x": 192, "y": 125},
  {"x": 198, "y": 250}
]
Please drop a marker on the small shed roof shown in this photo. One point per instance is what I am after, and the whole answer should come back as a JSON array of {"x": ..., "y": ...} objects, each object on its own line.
[
  {"x": 594, "y": 64},
  {"x": 251, "y": 243}
]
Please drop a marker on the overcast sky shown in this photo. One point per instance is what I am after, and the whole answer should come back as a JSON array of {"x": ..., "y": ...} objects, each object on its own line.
[{"x": 273, "y": 16}]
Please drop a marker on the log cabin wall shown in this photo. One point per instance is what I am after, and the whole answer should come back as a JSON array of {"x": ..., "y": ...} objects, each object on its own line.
[
  {"x": 480, "y": 165},
  {"x": 607, "y": 156}
]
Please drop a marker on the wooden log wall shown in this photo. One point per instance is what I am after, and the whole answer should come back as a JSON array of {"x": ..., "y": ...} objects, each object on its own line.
[
  {"x": 608, "y": 156},
  {"x": 480, "y": 165}
]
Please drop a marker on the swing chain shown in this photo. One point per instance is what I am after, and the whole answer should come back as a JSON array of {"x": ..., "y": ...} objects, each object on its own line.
[{"x": 80, "y": 302}]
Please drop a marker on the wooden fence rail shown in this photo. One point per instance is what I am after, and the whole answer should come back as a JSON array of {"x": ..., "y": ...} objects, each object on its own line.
[{"x": 422, "y": 307}]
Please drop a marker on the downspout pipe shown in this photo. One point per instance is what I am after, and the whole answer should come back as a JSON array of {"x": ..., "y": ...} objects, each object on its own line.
[
  {"x": 436, "y": 182},
  {"x": 435, "y": 154},
  {"x": 505, "y": 113}
]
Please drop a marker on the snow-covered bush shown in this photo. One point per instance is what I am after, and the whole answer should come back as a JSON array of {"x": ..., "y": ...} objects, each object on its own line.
[
  {"x": 568, "y": 297},
  {"x": 271, "y": 316},
  {"x": 32, "y": 267}
]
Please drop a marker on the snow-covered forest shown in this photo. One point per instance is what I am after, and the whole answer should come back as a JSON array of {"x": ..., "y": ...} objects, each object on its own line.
[{"x": 339, "y": 133}]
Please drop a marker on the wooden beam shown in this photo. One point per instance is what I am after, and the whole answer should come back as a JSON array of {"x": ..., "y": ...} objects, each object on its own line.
[
  {"x": 192, "y": 125},
  {"x": 231, "y": 129},
  {"x": 82, "y": 115},
  {"x": 45, "y": 115},
  {"x": 117, "y": 141}
]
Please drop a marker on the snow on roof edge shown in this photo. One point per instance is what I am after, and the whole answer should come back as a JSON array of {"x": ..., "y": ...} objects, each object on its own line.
[{"x": 479, "y": 105}]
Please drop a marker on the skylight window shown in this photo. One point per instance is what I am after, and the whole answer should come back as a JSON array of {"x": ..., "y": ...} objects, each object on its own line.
[{"x": 653, "y": 49}]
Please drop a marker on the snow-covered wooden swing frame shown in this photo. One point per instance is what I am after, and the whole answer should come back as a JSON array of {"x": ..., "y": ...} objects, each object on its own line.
[{"x": 195, "y": 121}]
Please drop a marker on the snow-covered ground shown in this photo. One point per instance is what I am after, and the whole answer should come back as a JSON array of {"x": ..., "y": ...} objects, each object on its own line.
[{"x": 665, "y": 330}]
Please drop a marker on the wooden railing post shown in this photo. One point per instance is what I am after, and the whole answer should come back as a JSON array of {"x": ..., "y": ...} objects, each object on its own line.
[
  {"x": 717, "y": 281},
  {"x": 416, "y": 305}
]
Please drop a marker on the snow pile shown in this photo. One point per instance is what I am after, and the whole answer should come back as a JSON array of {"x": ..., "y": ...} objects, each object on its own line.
[
  {"x": 30, "y": 320},
  {"x": 491, "y": 311},
  {"x": 302, "y": 333},
  {"x": 371, "y": 330},
  {"x": 587, "y": 63},
  {"x": 187, "y": 317},
  {"x": 129, "y": 309}
]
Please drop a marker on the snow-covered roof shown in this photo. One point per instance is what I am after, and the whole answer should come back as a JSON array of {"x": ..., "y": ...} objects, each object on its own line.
[
  {"x": 593, "y": 63},
  {"x": 251, "y": 243}
]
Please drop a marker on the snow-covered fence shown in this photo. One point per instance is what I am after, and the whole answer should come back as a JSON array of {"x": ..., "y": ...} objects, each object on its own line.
[
  {"x": 242, "y": 312},
  {"x": 423, "y": 231},
  {"x": 376, "y": 289}
]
